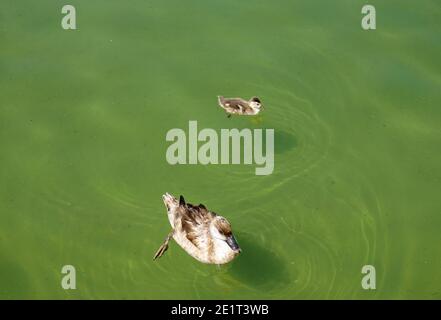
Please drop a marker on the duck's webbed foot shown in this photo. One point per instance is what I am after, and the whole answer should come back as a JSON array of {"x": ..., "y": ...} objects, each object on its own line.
[
  {"x": 164, "y": 246},
  {"x": 229, "y": 115}
]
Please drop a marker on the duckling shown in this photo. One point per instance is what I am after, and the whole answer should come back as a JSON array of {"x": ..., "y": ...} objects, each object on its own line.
[
  {"x": 240, "y": 106},
  {"x": 203, "y": 234}
]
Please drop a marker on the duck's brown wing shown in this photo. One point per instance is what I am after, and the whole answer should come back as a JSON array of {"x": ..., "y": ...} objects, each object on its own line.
[{"x": 194, "y": 222}]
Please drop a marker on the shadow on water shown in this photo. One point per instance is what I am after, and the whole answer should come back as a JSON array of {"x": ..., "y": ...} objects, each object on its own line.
[
  {"x": 258, "y": 267},
  {"x": 283, "y": 141},
  {"x": 13, "y": 279}
]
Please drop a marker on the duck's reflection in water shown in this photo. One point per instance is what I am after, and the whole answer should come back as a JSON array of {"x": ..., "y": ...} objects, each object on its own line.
[
  {"x": 16, "y": 284},
  {"x": 258, "y": 267}
]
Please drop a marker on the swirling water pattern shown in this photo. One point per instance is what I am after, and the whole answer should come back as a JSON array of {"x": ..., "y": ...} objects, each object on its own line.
[{"x": 356, "y": 116}]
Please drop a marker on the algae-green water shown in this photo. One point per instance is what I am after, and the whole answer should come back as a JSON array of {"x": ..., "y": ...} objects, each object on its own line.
[{"x": 356, "y": 113}]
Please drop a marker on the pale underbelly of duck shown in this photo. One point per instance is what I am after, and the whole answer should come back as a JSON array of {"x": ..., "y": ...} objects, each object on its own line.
[{"x": 209, "y": 253}]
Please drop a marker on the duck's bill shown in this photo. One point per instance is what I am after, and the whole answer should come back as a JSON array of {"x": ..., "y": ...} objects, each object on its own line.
[{"x": 231, "y": 241}]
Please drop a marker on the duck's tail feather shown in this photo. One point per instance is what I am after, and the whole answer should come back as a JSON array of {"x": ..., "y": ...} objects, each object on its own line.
[
  {"x": 170, "y": 201},
  {"x": 181, "y": 200}
]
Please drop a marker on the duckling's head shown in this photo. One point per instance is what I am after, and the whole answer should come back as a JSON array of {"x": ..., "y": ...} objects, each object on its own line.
[
  {"x": 220, "y": 230},
  {"x": 255, "y": 104}
]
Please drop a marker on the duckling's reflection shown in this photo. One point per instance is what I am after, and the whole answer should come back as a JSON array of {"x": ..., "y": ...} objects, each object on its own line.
[{"x": 284, "y": 141}]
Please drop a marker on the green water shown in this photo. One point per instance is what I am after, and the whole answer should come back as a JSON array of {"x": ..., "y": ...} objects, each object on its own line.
[{"x": 357, "y": 179}]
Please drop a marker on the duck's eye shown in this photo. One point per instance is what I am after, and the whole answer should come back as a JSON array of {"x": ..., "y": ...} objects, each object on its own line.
[{"x": 224, "y": 232}]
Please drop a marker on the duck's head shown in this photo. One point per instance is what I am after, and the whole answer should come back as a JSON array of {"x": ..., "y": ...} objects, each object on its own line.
[
  {"x": 256, "y": 104},
  {"x": 220, "y": 229}
]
